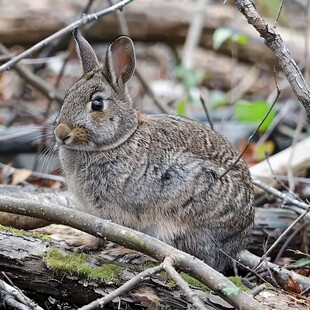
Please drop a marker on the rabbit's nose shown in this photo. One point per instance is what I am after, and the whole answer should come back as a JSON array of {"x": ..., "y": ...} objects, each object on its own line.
[{"x": 62, "y": 133}]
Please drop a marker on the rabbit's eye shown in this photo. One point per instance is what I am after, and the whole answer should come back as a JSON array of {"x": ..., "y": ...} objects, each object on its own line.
[{"x": 97, "y": 104}]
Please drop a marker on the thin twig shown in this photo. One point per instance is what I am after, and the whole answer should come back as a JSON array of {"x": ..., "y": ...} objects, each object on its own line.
[
  {"x": 86, "y": 19},
  {"x": 237, "y": 261},
  {"x": 304, "y": 265},
  {"x": 284, "y": 196},
  {"x": 99, "y": 303},
  {"x": 278, "y": 14},
  {"x": 278, "y": 180},
  {"x": 284, "y": 177},
  {"x": 206, "y": 111},
  {"x": 264, "y": 259},
  {"x": 255, "y": 131},
  {"x": 168, "y": 264},
  {"x": 194, "y": 34},
  {"x": 298, "y": 219},
  {"x": 255, "y": 291},
  {"x": 275, "y": 42},
  {"x": 288, "y": 240}
]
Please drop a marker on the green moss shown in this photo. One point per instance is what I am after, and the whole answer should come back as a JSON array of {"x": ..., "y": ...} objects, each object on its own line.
[
  {"x": 108, "y": 272},
  {"x": 170, "y": 284},
  {"x": 146, "y": 265},
  {"x": 73, "y": 263},
  {"x": 76, "y": 263},
  {"x": 19, "y": 232},
  {"x": 197, "y": 284},
  {"x": 237, "y": 281},
  {"x": 155, "y": 302},
  {"x": 194, "y": 282}
]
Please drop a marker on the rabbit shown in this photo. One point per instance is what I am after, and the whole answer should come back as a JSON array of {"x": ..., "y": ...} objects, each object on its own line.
[{"x": 158, "y": 174}]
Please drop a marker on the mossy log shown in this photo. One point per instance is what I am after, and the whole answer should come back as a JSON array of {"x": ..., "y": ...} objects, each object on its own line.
[{"x": 51, "y": 268}]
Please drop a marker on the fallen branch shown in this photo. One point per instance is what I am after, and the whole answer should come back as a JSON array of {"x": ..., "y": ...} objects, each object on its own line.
[
  {"x": 12, "y": 298},
  {"x": 134, "y": 240},
  {"x": 274, "y": 41},
  {"x": 86, "y": 19},
  {"x": 285, "y": 196},
  {"x": 284, "y": 277}
]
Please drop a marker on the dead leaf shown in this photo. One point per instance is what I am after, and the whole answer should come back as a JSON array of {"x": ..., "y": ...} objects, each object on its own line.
[
  {"x": 20, "y": 175},
  {"x": 292, "y": 286}
]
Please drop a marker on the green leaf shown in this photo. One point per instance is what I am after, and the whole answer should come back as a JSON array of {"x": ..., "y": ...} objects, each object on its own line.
[
  {"x": 221, "y": 35},
  {"x": 218, "y": 99},
  {"x": 230, "y": 291},
  {"x": 241, "y": 39},
  {"x": 190, "y": 77},
  {"x": 301, "y": 261},
  {"x": 181, "y": 108},
  {"x": 260, "y": 150},
  {"x": 253, "y": 112}
]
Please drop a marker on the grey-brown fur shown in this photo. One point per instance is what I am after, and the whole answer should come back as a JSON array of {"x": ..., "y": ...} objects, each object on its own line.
[{"x": 155, "y": 173}]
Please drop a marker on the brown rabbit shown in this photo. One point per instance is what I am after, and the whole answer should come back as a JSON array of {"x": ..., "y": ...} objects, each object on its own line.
[{"x": 155, "y": 173}]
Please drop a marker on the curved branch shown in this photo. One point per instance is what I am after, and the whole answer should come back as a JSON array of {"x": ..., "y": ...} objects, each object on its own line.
[
  {"x": 274, "y": 41},
  {"x": 86, "y": 19},
  {"x": 134, "y": 240}
]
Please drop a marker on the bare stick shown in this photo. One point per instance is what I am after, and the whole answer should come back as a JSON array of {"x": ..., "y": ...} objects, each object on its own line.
[
  {"x": 282, "y": 275},
  {"x": 133, "y": 240},
  {"x": 288, "y": 240},
  {"x": 99, "y": 303},
  {"x": 278, "y": 14},
  {"x": 254, "y": 132},
  {"x": 168, "y": 264},
  {"x": 86, "y": 19},
  {"x": 274, "y": 41},
  {"x": 286, "y": 197},
  {"x": 299, "y": 218},
  {"x": 194, "y": 33},
  {"x": 206, "y": 111},
  {"x": 255, "y": 291}
]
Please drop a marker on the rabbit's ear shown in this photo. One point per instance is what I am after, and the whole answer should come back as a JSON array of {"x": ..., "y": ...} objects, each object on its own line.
[
  {"x": 120, "y": 60},
  {"x": 86, "y": 53}
]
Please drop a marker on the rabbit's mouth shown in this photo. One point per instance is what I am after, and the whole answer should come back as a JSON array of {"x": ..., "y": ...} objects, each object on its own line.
[{"x": 75, "y": 138}]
